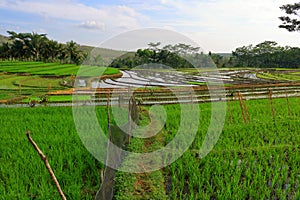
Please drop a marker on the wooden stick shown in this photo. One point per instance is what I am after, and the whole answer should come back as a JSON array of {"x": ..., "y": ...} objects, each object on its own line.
[
  {"x": 44, "y": 158},
  {"x": 244, "y": 108},
  {"x": 271, "y": 103},
  {"x": 108, "y": 109},
  {"x": 288, "y": 103},
  {"x": 230, "y": 112}
]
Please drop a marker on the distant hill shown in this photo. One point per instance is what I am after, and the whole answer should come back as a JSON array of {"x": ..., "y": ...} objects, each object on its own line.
[
  {"x": 3, "y": 39},
  {"x": 108, "y": 55}
]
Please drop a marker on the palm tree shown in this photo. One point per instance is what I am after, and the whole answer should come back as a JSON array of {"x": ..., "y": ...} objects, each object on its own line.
[
  {"x": 34, "y": 46},
  {"x": 62, "y": 53},
  {"x": 19, "y": 47},
  {"x": 74, "y": 54},
  {"x": 54, "y": 49},
  {"x": 37, "y": 43},
  {"x": 72, "y": 51}
]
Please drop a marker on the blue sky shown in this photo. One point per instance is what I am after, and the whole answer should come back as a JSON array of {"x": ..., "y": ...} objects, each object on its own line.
[{"x": 216, "y": 25}]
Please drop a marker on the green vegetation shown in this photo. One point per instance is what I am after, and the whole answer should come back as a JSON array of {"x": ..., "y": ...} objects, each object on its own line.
[
  {"x": 57, "y": 69},
  {"x": 22, "y": 172},
  {"x": 267, "y": 54},
  {"x": 60, "y": 98},
  {"x": 204, "y": 83},
  {"x": 33, "y": 79},
  {"x": 37, "y": 47},
  {"x": 289, "y": 22},
  {"x": 254, "y": 160},
  {"x": 257, "y": 160},
  {"x": 264, "y": 55},
  {"x": 279, "y": 76},
  {"x": 175, "y": 56}
]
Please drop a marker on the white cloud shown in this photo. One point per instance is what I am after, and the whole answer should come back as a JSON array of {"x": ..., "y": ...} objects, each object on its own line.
[
  {"x": 92, "y": 25},
  {"x": 217, "y": 25},
  {"x": 90, "y": 17},
  {"x": 223, "y": 25}
]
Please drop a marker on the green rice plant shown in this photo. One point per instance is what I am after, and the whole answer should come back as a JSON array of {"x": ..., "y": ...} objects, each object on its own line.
[
  {"x": 39, "y": 68},
  {"x": 23, "y": 175},
  {"x": 249, "y": 160},
  {"x": 256, "y": 160}
]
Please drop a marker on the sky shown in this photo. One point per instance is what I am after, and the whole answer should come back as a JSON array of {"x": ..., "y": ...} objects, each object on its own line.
[{"x": 216, "y": 25}]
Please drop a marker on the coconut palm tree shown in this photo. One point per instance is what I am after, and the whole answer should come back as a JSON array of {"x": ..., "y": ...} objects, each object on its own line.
[{"x": 37, "y": 42}]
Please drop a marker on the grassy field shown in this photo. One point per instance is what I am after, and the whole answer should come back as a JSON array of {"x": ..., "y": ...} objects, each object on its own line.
[
  {"x": 22, "y": 172},
  {"x": 255, "y": 160}
]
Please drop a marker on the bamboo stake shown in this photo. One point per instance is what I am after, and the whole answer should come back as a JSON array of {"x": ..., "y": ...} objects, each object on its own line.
[
  {"x": 44, "y": 158},
  {"x": 271, "y": 103},
  {"x": 229, "y": 109},
  {"x": 288, "y": 102},
  {"x": 244, "y": 108}
]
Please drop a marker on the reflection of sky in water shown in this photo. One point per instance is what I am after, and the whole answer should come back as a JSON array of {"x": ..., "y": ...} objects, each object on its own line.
[{"x": 140, "y": 78}]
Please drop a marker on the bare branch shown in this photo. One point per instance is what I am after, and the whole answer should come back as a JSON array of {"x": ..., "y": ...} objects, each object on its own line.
[{"x": 44, "y": 158}]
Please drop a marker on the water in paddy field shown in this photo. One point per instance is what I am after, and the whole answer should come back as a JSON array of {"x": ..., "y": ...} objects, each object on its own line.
[
  {"x": 142, "y": 78},
  {"x": 167, "y": 78}
]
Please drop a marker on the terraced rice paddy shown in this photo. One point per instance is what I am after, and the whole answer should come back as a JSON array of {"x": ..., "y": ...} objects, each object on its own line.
[
  {"x": 32, "y": 79},
  {"x": 158, "y": 78},
  {"x": 56, "y": 69},
  {"x": 256, "y": 156}
]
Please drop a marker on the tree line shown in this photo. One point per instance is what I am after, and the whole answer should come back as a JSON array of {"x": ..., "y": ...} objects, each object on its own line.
[
  {"x": 267, "y": 54},
  {"x": 175, "y": 56},
  {"x": 37, "y": 47}
]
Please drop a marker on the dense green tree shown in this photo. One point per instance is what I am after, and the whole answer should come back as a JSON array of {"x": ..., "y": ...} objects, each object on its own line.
[
  {"x": 37, "y": 47},
  {"x": 175, "y": 56},
  {"x": 266, "y": 54},
  {"x": 5, "y": 51},
  {"x": 36, "y": 43}
]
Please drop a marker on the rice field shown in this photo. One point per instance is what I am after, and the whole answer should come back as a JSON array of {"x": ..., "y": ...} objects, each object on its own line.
[
  {"x": 256, "y": 158},
  {"x": 294, "y": 76},
  {"x": 259, "y": 159},
  {"x": 33, "y": 79},
  {"x": 56, "y": 69},
  {"x": 22, "y": 172}
]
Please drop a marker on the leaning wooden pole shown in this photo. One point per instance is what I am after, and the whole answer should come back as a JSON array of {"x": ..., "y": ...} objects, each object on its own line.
[{"x": 44, "y": 158}]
